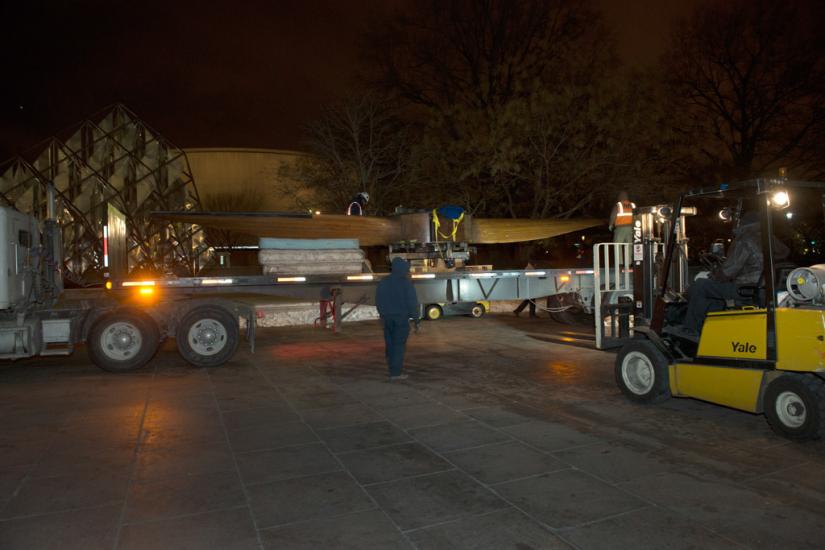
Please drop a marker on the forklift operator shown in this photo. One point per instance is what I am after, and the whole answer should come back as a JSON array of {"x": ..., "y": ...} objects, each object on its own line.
[{"x": 742, "y": 266}]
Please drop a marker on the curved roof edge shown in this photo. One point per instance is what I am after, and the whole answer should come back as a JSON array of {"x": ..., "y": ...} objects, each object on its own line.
[{"x": 288, "y": 152}]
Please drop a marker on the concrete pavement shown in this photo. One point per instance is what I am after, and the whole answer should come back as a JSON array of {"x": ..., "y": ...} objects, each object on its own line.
[{"x": 497, "y": 440}]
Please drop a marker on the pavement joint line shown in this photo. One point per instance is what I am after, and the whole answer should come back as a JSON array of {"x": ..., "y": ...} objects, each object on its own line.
[
  {"x": 184, "y": 516},
  {"x": 407, "y": 478},
  {"x": 318, "y": 518},
  {"x": 470, "y": 476},
  {"x": 237, "y": 467},
  {"x": 282, "y": 447},
  {"x": 377, "y": 447},
  {"x": 290, "y": 478},
  {"x": 480, "y": 446},
  {"x": 532, "y": 476},
  {"x": 743, "y": 481},
  {"x": 513, "y": 505},
  {"x": 133, "y": 465},
  {"x": 343, "y": 467},
  {"x": 610, "y": 517},
  {"x": 18, "y": 487},
  {"x": 684, "y": 515},
  {"x": 493, "y": 444},
  {"x": 60, "y": 511},
  {"x": 455, "y": 520},
  {"x": 494, "y": 492},
  {"x": 355, "y": 425}
]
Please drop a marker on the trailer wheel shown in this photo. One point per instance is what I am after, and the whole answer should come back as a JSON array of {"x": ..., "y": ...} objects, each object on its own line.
[
  {"x": 123, "y": 341},
  {"x": 208, "y": 336},
  {"x": 478, "y": 310},
  {"x": 642, "y": 372},
  {"x": 795, "y": 406},
  {"x": 433, "y": 312}
]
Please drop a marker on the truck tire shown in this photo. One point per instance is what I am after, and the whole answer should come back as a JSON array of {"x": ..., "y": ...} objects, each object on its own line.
[
  {"x": 208, "y": 336},
  {"x": 433, "y": 312},
  {"x": 478, "y": 310},
  {"x": 123, "y": 341},
  {"x": 642, "y": 372},
  {"x": 794, "y": 405}
]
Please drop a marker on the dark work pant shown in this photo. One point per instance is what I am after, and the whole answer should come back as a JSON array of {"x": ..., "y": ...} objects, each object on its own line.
[
  {"x": 524, "y": 304},
  {"x": 396, "y": 331},
  {"x": 706, "y": 295}
]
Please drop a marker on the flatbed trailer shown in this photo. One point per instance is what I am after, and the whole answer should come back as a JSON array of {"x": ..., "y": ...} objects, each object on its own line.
[
  {"x": 123, "y": 325},
  {"x": 202, "y": 313}
]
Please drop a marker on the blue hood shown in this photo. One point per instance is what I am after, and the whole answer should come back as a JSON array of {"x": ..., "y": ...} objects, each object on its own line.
[
  {"x": 399, "y": 268},
  {"x": 395, "y": 296}
]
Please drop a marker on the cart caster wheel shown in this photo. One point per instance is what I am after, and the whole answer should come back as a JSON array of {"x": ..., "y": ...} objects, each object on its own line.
[{"x": 433, "y": 312}]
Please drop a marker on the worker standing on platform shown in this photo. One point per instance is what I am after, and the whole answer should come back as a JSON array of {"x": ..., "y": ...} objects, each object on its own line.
[
  {"x": 397, "y": 303},
  {"x": 358, "y": 204},
  {"x": 621, "y": 219}
]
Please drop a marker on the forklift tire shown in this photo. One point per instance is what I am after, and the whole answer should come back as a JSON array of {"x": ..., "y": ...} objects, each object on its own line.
[
  {"x": 433, "y": 312},
  {"x": 208, "y": 336},
  {"x": 478, "y": 311},
  {"x": 642, "y": 372},
  {"x": 123, "y": 341},
  {"x": 794, "y": 405}
]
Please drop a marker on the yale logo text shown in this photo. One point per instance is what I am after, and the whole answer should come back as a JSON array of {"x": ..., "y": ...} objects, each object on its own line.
[{"x": 743, "y": 347}]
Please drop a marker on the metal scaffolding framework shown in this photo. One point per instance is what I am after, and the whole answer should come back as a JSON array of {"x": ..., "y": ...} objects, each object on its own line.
[{"x": 112, "y": 158}]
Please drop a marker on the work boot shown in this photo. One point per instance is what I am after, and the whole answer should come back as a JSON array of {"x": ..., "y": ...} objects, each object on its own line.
[{"x": 398, "y": 377}]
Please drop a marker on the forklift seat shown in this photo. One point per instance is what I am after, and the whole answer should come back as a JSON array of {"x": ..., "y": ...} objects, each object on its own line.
[{"x": 754, "y": 295}]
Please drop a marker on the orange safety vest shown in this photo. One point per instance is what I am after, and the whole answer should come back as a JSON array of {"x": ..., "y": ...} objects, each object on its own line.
[{"x": 624, "y": 213}]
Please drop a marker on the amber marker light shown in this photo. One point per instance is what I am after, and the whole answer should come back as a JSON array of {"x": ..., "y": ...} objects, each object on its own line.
[
  {"x": 108, "y": 285},
  {"x": 565, "y": 278}
]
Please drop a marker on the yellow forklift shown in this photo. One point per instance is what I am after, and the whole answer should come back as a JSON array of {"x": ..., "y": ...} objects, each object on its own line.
[{"x": 762, "y": 352}]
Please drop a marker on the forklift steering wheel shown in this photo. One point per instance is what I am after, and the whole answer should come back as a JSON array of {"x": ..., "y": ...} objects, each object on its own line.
[{"x": 709, "y": 260}]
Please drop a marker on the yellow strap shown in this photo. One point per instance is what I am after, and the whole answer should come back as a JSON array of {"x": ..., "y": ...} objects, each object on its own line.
[{"x": 437, "y": 224}]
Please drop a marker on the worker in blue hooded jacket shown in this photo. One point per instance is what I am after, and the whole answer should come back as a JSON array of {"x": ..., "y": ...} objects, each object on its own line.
[{"x": 397, "y": 304}]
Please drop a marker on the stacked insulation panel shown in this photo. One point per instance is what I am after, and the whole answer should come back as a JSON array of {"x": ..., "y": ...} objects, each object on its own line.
[{"x": 310, "y": 256}]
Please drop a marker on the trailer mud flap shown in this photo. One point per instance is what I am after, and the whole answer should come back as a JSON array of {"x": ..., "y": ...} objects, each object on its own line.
[{"x": 251, "y": 317}]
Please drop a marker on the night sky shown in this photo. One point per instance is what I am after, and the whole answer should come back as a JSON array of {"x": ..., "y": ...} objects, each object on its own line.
[{"x": 214, "y": 74}]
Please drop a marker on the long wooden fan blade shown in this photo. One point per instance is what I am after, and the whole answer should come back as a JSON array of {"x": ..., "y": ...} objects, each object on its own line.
[
  {"x": 373, "y": 230},
  {"x": 369, "y": 230},
  {"x": 496, "y": 230}
]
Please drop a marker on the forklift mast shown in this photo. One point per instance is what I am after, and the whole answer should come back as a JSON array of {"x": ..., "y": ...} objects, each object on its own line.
[
  {"x": 653, "y": 226},
  {"x": 630, "y": 278}
]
